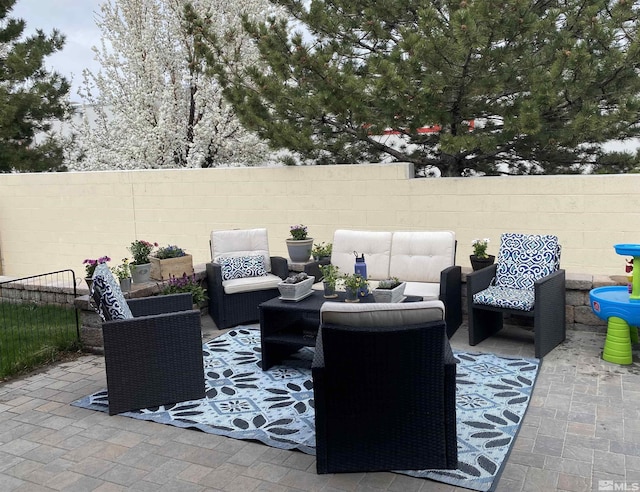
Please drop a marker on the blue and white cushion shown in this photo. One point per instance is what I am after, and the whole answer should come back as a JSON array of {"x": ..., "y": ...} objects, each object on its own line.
[
  {"x": 242, "y": 266},
  {"x": 525, "y": 258},
  {"x": 112, "y": 304},
  {"x": 505, "y": 297},
  {"x": 522, "y": 260}
]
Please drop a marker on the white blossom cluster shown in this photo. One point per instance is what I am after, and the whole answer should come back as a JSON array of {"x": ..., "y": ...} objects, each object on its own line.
[{"x": 155, "y": 104}]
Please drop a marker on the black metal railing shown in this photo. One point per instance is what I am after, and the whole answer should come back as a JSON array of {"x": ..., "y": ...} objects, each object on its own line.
[{"x": 38, "y": 320}]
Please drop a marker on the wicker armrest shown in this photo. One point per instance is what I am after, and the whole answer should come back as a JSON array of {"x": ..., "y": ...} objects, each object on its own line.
[
  {"x": 149, "y": 306},
  {"x": 451, "y": 295},
  {"x": 480, "y": 280},
  {"x": 280, "y": 266},
  {"x": 318, "y": 357}
]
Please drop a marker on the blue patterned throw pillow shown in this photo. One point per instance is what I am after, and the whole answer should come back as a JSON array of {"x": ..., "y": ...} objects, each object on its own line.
[
  {"x": 242, "y": 266},
  {"x": 112, "y": 304}
]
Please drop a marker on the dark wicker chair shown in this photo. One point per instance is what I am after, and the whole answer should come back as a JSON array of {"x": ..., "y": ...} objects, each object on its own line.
[
  {"x": 229, "y": 305},
  {"x": 384, "y": 382},
  {"x": 154, "y": 358},
  {"x": 526, "y": 281}
]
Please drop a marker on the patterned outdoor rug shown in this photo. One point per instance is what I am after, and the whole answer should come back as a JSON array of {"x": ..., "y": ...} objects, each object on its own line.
[{"x": 276, "y": 406}]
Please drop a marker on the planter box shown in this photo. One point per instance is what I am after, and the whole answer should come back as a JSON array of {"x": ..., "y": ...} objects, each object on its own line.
[
  {"x": 164, "y": 269},
  {"x": 295, "y": 292},
  {"x": 389, "y": 295}
]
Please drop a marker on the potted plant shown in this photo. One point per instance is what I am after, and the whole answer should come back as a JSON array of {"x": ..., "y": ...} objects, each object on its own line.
[
  {"x": 299, "y": 244},
  {"x": 168, "y": 261},
  {"x": 187, "y": 284},
  {"x": 123, "y": 273},
  {"x": 355, "y": 286},
  {"x": 90, "y": 267},
  {"x": 330, "y": 275},
  {"x": 389, "y": 290},
  {"x": 296, "y": 287},
  {"x": 480, "y": 258},
  {"x": 141, "y": 265},
  {"x": 321, "y": 251}
]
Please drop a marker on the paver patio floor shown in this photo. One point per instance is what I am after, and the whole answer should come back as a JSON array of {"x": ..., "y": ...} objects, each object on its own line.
[{"x": 583, "y": 426}]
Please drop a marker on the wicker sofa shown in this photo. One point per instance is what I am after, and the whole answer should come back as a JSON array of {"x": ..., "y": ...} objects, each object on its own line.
[{"x": 425, "y": 260}]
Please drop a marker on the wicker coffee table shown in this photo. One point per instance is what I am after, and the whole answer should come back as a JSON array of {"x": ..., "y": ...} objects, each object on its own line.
[{"x": 287, "y": 326}]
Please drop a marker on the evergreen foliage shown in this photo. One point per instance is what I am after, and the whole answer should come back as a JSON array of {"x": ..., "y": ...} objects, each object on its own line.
[
  {"x": 30, "y": 96},
  {"x": 513, "y": 86}
]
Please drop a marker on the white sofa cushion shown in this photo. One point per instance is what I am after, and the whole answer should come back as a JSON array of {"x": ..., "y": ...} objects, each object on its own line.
[
  {"x": 251, "y": 284},
  {"x": 420, "y": 256},
  {"x": 375, "y": 245},
  {"x": 241, "y": 242},
  {"x": 381, "y": 314}
]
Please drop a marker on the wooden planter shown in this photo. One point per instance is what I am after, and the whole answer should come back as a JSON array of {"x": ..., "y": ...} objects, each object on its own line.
[{"x": 165, "y": 269}]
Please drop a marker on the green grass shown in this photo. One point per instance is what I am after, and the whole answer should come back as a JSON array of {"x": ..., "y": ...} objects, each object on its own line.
[{"x": 32, "y": 335}]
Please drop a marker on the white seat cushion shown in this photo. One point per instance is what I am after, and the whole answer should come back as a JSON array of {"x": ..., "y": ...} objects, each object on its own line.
[
  {"x": 241, "y": 242},
  {"x": 381, "y": 314},
  {"x": 250, "y": 284},
  {"x": 375, "y": 245},
  {"x": 420, "y": 256}
]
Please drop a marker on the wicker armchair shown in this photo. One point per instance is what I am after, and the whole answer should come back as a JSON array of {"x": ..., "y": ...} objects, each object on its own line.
[
  {"x": 233, "y": 301},
  {"x": 384, "y": 382},
  {"x": 526, "y": 281},
  {"x": 152, "y": 349}
]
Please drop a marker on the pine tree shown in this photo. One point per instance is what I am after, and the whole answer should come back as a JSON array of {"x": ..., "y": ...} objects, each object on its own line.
[
  {"x": 157, "y": 106},
  {"x": 30, "y": 96},
  {"x": 508, "y": 86}
]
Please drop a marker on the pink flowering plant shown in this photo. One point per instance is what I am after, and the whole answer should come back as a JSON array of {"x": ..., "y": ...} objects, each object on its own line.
[
  {"x": 91, "y": 264},
  {"x": 141, "y": 250},
  {"x": 298, "y": 232}
]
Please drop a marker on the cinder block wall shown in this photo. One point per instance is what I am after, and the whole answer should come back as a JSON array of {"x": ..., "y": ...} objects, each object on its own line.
[{"x": 55, "y": 221}]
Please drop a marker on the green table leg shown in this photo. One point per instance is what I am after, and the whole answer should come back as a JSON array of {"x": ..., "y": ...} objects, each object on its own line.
[
  {"x": 617, "y": 346},
  {"x": 634, "y": 334}
]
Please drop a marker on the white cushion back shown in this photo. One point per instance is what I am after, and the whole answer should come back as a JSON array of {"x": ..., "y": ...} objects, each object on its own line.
[
  {"x": 420, "y": 256},
  {"x": 376, "y": 247},
  {"x": 381, "y": 314},
  {"x": 241, "y": 242}
]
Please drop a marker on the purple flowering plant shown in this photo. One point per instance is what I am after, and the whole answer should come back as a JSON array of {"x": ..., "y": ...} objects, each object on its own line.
[
  {"x": 298, "y": 232},
  {"x": 184, "y": 284},
  {"x": 91, "y": 264}
]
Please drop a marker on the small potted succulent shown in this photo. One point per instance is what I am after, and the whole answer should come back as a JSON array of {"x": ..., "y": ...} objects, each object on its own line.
[
  {"x": 296, "y": 287},
  {"x": 389, "y": 290},
  {"x": 480, "y": 259},
  {"x": 330, "y": 275},
  {"x": 299, "y": 245},
  {"x": 355, "y": 285}
]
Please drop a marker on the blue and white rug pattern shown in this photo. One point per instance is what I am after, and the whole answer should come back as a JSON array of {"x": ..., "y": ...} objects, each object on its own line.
[{"x": 276, "y": 406}]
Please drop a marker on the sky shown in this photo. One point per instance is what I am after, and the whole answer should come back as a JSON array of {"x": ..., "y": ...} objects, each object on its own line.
[{"x": 76, "y": 20}]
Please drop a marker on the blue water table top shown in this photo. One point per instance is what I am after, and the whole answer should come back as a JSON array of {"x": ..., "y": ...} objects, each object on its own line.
[{"x": 614, "y": 301}]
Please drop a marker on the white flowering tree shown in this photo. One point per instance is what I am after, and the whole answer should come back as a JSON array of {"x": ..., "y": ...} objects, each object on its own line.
[{"x": 155, "y": 103}]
